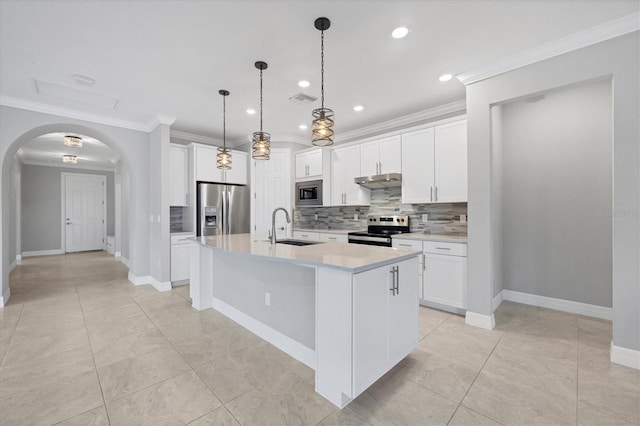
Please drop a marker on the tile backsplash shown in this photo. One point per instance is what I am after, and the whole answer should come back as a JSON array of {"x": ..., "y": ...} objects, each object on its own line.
[
  {"x": 175, "y": 219},
  {"x": 443, "y": 218}
]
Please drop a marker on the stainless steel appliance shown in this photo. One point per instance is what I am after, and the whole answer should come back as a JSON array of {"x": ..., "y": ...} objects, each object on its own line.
[
  {"x": 223, "y": 209},
  {"x": 387, "y": 180},
  {"x": 380, "y": 230},
  {"x": 309, "y": 193}
]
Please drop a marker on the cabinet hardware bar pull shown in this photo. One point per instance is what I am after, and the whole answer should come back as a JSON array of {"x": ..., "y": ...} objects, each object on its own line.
[
  {"x": 393, "y": 280},
  {"x": 432, "y": 193},
  {"x": 436, "y": 192},
  {"x": 397, "y": 280},
  {"x": 424, "y": 262},
  {"x": 443, "y": 248}
]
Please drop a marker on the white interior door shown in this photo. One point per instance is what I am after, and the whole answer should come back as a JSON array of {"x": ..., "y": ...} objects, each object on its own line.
[
  {"x": 272, "y": 188},
  {"x": 84, "y": 212}
]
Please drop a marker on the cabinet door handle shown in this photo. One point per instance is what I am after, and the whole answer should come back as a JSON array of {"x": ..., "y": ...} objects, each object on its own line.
[
  {"x": 397, "y": 279},
  {"x": 393, "y": 280},
  {"x": 431, "y": 193},
  {"x": 436, "y": 193},
  {"x": 424, "y": 262}
]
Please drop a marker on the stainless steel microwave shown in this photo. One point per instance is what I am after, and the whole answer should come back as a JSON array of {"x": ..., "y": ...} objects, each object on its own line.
[{"x": 309, "y": 193}]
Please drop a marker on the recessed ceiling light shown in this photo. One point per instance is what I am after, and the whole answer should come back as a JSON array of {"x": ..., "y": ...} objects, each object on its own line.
[
  {"x": 358, "y": 108},
  {"x": 400, "y": 32},
  {"x": 251, "y": 111},
  {"x": 83, "y": 79},
  {"x": 304, "y": 83},
  {"x": 302, "y": 127},
  {"x": 445, "y": 77}
]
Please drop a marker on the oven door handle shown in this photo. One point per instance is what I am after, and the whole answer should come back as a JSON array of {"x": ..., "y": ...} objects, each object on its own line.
[{"x": 372, "y": 239}]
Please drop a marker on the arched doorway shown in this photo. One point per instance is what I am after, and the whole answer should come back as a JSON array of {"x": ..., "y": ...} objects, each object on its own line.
[{"x": 11, "y": 224}]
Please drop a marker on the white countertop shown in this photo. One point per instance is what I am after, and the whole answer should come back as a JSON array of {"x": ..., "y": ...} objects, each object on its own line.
[
  {"x": 328, "y": 231},
  {"x": 432, "y": 237},
  {"x": 352, "y": 257}
]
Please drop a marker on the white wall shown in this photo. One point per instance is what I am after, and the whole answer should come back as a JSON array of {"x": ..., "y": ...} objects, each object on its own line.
[
  {"x": 557, "y": 169},
  {"x": 159, "y": 238},
  {"x": 15, "y": 235},
  {"x": 497, "y": 207},
  {"x": 618, "y": 59},
  {"x": 18, "y": 126}
]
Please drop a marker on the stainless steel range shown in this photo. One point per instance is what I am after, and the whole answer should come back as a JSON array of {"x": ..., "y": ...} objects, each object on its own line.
[{"x": 380, "y": 230}]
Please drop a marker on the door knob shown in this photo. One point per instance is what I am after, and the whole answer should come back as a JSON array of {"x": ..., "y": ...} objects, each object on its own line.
[{"x": 282, "y": 228}]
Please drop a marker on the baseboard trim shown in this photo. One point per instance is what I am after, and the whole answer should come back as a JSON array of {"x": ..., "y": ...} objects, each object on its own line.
[
  {"x": 297, "y": 350},
  {"x": 42, "y": 253},
  {"x": 497, "y": 301},
  {"x": 488, "y": 322},
  {"x": 5, "y": 297},
  {"x": 117, "y": 254},
  {"x": 145, "y": 279},
  {"x": 579, "y": 308},
  {"x": 625, "y": 356},
  {"x": 160, "y": 286},
  {"x": 124, "y": 261}
]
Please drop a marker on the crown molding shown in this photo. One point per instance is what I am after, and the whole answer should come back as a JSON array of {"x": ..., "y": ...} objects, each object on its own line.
[
  {"x": 162, "y": 119},
  {"x": 597, "y": 34},
  {"x": 192, "y": 137},
  {"x": 404, "y": 121},
  {"x": 66, "y": 166}
]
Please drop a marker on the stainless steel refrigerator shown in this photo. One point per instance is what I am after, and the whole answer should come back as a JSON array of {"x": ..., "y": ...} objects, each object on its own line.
[{"x": 223, "y": 209}]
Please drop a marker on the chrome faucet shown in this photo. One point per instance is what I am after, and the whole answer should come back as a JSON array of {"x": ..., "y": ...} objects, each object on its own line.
[{"x": 273, "y": 222}]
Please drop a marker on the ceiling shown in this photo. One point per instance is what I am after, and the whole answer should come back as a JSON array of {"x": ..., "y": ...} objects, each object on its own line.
[
  {"x": 48, "y": 150},
  {"x": 172, "y": 57}
]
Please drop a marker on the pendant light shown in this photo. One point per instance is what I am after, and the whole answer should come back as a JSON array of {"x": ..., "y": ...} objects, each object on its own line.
[
  {"x": 261, "y": 146},
  {"x": 224, "y": 153},
  {"x": 322, "y": 125},
  {"x": 70, "y": 159},
  {"x": 73, "y": 141}
]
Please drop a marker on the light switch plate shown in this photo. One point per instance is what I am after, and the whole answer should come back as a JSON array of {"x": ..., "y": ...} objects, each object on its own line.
[
  {"x": 463, "y": 218},
  {"x": 355, "y": 216},
  {"x": 151, "y": 218},
  {"x": 315, "y": 217},
  {"x": 425, "y": 218},
  {"x": 267, "y": 299}
]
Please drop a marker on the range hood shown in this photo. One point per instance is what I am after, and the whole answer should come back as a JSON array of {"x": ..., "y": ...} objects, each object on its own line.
[{"x": 387, "y": 180}]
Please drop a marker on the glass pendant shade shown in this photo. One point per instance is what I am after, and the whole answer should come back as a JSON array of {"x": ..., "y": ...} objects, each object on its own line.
[
  {"x": 261, "y": 141},
  {"x": 71, "y": 159},
  {"x": 322, "y": 127},
  {"x": 223, "y": 161},
  {"x": 322, "y": 124},
  {"x": 73, "y": 141},
  {"x": 261, "y": 146}
]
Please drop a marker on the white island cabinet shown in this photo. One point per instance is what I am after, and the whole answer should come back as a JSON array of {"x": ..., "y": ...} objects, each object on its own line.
[{"x": 348, "y": 311}]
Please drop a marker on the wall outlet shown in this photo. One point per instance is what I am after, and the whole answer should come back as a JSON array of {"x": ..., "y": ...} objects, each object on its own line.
[
  {"x": 151, "y": 218},
  {"x": 158, "y": 218},
  {"x": 425, "y": 218},
  {"x": 355, "y": 216},
  {"x": 315, "y": 217},
  {"x": 463, "y": 218},
  {"x": 267, "y": 299}
]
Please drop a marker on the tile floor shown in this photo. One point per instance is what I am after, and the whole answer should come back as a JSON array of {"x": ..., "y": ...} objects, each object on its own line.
[{"x": 80, "y": 345}]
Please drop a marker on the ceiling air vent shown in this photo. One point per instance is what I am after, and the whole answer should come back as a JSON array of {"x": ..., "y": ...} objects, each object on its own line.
[{"x": 302, "y": 98}]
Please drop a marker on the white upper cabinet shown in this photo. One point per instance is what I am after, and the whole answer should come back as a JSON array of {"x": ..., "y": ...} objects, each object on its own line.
[
  {"x": 382, "y": 156},
  {"x": 178, "y": 172},
  {"x": 418, "y": 166},
  {"x": 434, "y": 164},
  {"x": 207, "y": 169},
  {"x": 309, "y": 164},
  {"x": 345, "y": 167},
  {"x": 206, "y": 166},
  {"x": 239, "y": 168},
  {"x": 451, "y": 162}
]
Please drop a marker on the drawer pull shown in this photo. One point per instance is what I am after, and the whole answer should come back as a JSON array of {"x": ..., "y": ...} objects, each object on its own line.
[
  {"x": 405, "y": 245},
  {"x": 332, "y": 238},
  {"x": 443, "y": 248}
]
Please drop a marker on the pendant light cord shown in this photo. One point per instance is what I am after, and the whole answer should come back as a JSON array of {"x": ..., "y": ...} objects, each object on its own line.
[
  {"x": 322, "y": 68},
  {"x": 224, "y": 122},
  {"x": 260, "y": 100}
]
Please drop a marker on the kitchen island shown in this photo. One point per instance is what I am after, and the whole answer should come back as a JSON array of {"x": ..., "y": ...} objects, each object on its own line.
[{"x": 348, "y": 311}]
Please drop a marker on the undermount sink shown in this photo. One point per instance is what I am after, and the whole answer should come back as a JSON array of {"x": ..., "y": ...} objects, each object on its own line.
[{"x": 297, "y": 242}]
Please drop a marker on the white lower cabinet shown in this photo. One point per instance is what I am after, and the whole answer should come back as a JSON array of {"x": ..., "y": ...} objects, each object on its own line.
[
  {"x": 333, "y": 238},
  {"x": 304, "y": 235},
  {"x": 180, "y": 257},
  {"x": 443, "y": 272},
  {"x": 385, "y": 301}
]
